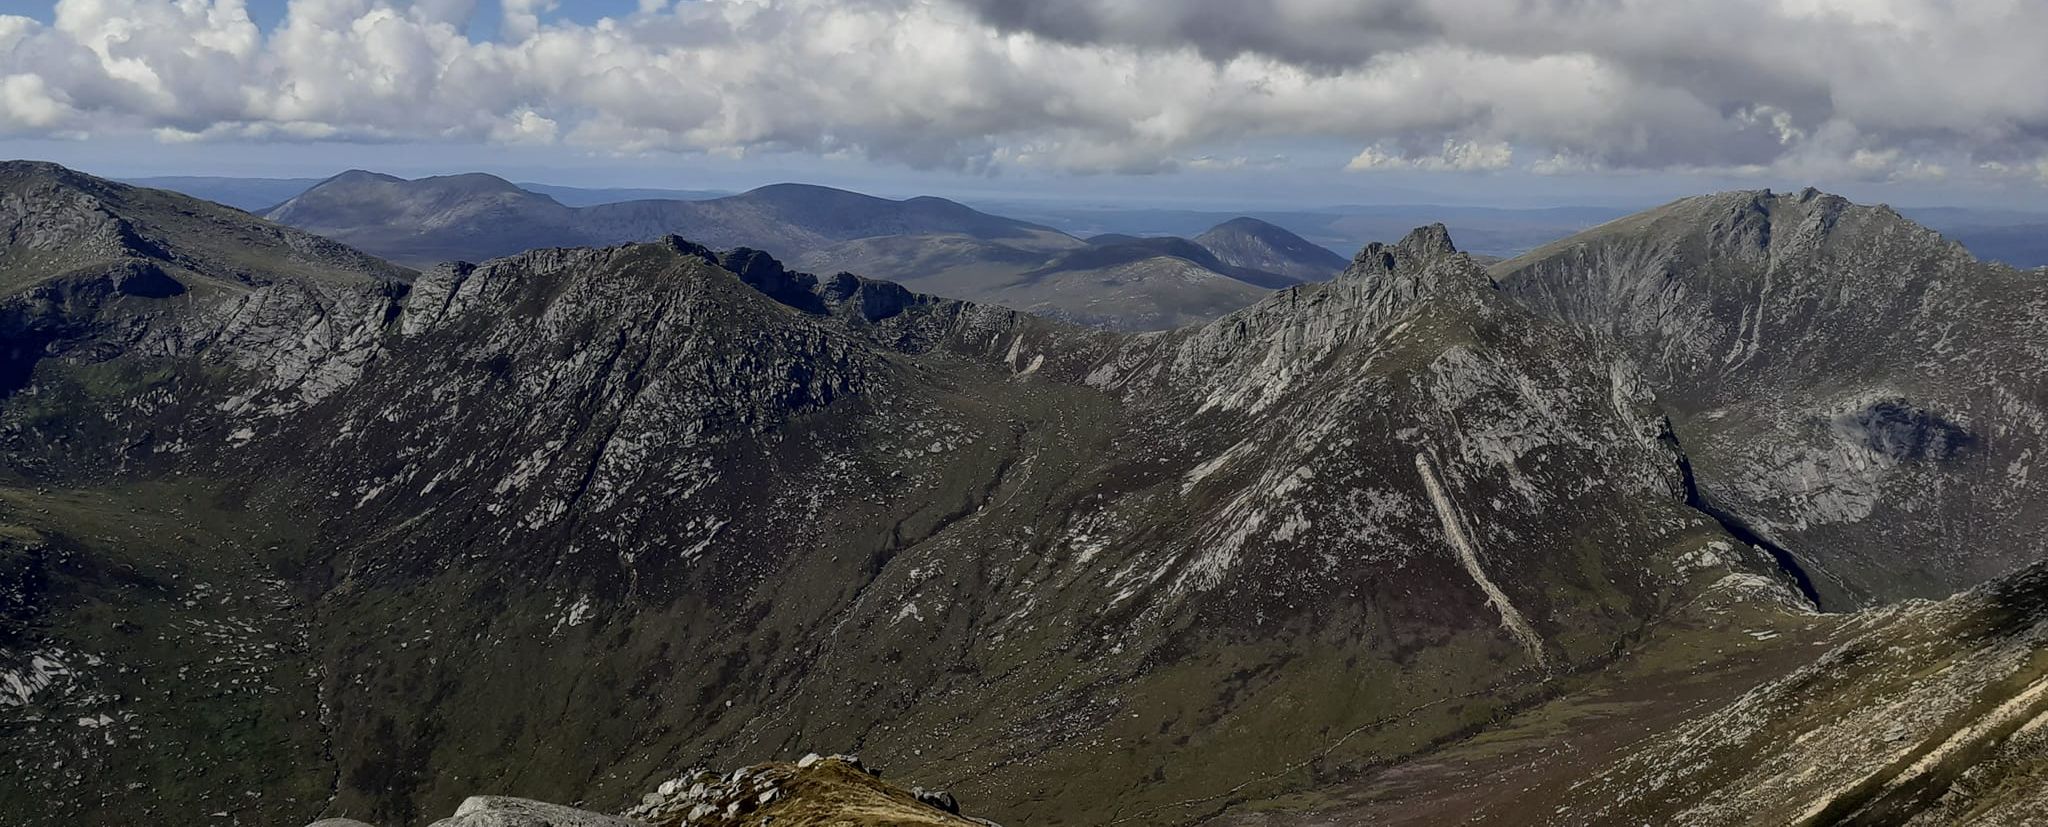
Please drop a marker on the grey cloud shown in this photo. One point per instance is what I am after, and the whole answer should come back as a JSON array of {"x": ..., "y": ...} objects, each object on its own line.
[
  {"x": 1324, "y": 35},
  {"x": 1899, "y": 73},
  {"x": 1869, "y": 88}
]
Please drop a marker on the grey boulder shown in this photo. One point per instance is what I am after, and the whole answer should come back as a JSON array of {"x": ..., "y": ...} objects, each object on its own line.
[{"x": 502, "y": 811}]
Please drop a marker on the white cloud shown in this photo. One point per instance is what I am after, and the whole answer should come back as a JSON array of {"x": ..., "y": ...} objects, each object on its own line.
[
  {"x": 528, "y": 127},
  {"x": 1869, "y": 88},
  {"x": 1231, "y": 162},
  {"x": 1454, "y": 156},
  {"x": 2037, "y": 169},
  {"x": 26, "y": 104}
]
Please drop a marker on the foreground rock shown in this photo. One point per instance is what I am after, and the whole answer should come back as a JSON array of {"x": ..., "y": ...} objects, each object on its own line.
[
  {"x": 834, "y": 791},
  {"x": 504, "y": 811}
]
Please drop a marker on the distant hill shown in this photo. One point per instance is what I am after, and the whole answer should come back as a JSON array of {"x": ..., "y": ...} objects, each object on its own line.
[
  {"x": 593, "y": 196},
  {"x": 2011, "y": 237},
  {"x": 1481, "y": 230},
  {"x": 932, "y": 244},
  {"x": 435, "y": 219},
  {"x": 476, "y": 217},
  {"x": 2015, "y": 237},
  {"x": 1258, "y": 245}
]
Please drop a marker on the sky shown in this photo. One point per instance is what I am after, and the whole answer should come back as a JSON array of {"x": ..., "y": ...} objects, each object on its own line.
[{"x": 1223, "y": 103}]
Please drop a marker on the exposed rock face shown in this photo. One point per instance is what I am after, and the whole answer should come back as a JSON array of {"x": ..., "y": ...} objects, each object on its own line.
[
  {"x": 1851, "y": 386},
  {"x": 835, "y": 791},
  {"x": 814, "y": 792}
]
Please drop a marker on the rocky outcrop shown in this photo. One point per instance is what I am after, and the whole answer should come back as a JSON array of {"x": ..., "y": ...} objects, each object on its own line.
[
  {"x": 820, "y": 791},
  {"x": 503, "y": 811},
  {"x": 816, "y": 791}
]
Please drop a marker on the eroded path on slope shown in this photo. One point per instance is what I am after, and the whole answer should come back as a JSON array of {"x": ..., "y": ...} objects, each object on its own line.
[{"x": 1460, "y": 540}]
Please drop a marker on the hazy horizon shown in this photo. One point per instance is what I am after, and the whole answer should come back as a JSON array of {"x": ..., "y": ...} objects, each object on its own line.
[{"x": 1252, "y": 106}]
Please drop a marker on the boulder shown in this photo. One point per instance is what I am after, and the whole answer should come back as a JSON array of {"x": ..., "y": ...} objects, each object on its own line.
[
  {"x": 937, "y": 798},
  {"x": 502, "y": 811}
]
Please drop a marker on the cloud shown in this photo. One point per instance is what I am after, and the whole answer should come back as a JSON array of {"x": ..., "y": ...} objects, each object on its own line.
[
  {"x": 1454, "y": 156},
  {"x": 26, "y": 104},
  {"x": 1233, "y": 162},
  {"x": 527, "y": 127},
  {"x": 1867, "y": 88}
]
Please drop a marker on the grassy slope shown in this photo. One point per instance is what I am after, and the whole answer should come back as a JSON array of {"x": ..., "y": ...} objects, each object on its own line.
[{"x": 190, "y": 677}]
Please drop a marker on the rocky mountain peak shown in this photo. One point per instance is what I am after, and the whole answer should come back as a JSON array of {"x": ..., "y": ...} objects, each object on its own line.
[
  {"x": 1422, "y": 246},
  {"x": 50, "y": 209},
  {"x": 1428, "y": 241},
  {"x": 19, "y": 173},
  {"x": 1860, "y": 348},
  {"x": 1424, "y": 263},
  {"x": 72, "y": 220}
]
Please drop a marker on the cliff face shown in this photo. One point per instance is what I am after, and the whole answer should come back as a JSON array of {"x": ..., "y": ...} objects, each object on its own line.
[{"x": 1848, "y": 385}]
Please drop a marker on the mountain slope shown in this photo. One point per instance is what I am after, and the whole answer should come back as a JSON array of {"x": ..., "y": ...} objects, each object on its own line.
[
  {"x": 432, "y": 219},
  {"x": 560, "y": 522},
  {"x": 1146, "y": 290},
  {"x": 57, "y": 220},
  {"x": 1733, "y": 711},
  {"x": 1849, "y": 386},
  {"x": 1926, "y": 713}
]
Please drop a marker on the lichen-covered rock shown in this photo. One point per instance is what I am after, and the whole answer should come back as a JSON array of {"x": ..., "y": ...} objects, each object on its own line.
[{"x": 834, "y": 790}]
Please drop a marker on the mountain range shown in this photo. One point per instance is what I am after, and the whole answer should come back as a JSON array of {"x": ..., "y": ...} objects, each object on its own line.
[
  {"x": 2015, "y": 237},
  {"x": 928, "y": 243},
  {"x": 1634, "y": 527}
]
